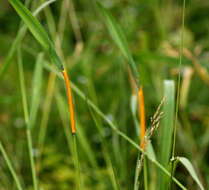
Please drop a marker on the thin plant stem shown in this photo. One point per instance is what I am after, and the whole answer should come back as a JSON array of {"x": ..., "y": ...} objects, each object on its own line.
[
  {"x": 178, "y": 94},
  {"x": 145, "y": 174},
  {"x": 26, "y": 116},
  {"x": 32, "y": 163},
  {"x": 14, "y": 175},
  {"x": 76, "y": 162}
]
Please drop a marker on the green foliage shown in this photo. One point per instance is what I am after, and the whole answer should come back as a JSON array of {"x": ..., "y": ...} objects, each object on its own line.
[
  {"x": 33, "y": 25},
  {"x": 119, "y": 38},
  {"x": 36, "y": 90},
  {"x": 187, "y": 164},
  {"x": 166, "y": 131},
  {"x": 37, "y": 30},
  {"x": 148, "y": 34}
]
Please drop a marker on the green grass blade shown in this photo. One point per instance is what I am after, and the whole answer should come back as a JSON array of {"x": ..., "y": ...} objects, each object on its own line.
[
  {"x": 22, "y": 85},
  {"x": 19, "y": 37},
  {"x": 37, "y": 30},
  {"x": 36, "y": 89},
  {"x": 14, "y": 175},
  {"x": 46, "y": 112},
  {"x": 119, "y": 38},
  {"x": 32, "y": 163},
  {"x": 166, "y": 130},
  {"x": 32, "y": 23},
  {"x": 29, "y": 120},
  {"x": 187, "y": 164}
]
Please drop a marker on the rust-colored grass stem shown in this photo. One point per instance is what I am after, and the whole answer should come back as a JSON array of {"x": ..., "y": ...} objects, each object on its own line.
[
  {"x": 70, "y": 101},
  {"x": 142, "y": 117}
]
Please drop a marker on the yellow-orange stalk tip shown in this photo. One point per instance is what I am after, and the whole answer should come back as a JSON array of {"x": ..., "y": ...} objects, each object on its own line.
[
  {"x": 142, "y": 117},
  {"x": 70, "y": 101}
]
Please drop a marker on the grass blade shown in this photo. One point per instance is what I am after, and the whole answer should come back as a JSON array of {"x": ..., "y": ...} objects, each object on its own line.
[
  {"x": 19, "y": 37},
  {"x": 14, "y": 175},
  {"x": 187, "y": 164},
  {"x": 32, "y": 23},
  {"x": 37, "y": 30},
  {"x": 36, "y": 89},
  {"x": 29, "y": 120},
  {"x": 166, "y": 130},
  {"x": 119, "y": 38}
]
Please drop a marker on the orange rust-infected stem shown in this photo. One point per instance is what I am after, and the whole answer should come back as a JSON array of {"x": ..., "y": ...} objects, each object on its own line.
[
  {"x": 142, "y": 117},
  {"x": 70, "y": 101}
]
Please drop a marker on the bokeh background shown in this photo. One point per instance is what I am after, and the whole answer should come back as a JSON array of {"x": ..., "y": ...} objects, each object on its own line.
[{"x": 98, "y": 69}]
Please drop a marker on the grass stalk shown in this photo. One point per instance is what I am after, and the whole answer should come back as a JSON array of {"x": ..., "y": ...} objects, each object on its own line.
[
  {"x": 145, "y": 174},
  {"x": 32, "y": 162},
  {"x": 26, "y": 116},
  {"x": 178, "y": 94},
  {"x": 76, "y": 160},
  {"x": 11, "y": 169}
]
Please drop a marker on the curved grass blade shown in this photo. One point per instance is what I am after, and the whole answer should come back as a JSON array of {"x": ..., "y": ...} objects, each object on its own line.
[
  {"x": 37, "y": 30},
  {"x": 187, "y": 164},
  {"x": 166, "y": 131},
  {"x": 19, "y": 37},
  {"x": 32, "y": 23},
  {"x": 119, "y": 38}
]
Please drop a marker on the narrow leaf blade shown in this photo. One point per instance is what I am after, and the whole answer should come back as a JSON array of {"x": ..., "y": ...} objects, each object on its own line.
[
  {"x": 166, "y": 130},
  {"x": 120, "y": 39},
  {"x": 188, "y": 165},
  {"x": 37, "y": 81},
  {"x": 33, "y": 24}
]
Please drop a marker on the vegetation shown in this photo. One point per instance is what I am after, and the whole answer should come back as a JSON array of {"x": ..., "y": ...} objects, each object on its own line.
[{"x": 137, "y": 116}]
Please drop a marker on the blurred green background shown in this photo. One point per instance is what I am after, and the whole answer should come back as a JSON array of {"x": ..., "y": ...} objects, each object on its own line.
[{"x": 97, "y": 67}]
